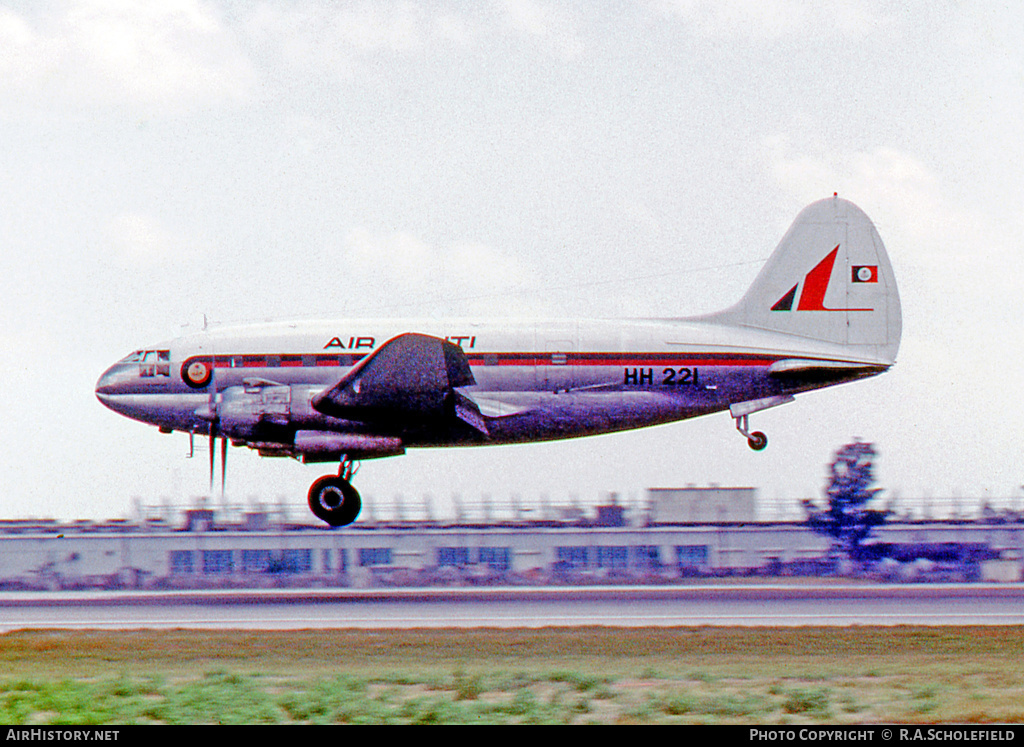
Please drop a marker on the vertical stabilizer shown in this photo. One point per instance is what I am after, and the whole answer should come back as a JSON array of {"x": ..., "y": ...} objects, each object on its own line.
[{"x": 829, "y": 279}]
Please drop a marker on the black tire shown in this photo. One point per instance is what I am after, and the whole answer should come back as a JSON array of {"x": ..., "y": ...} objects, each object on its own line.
[
  {"x": 334, "y": 500},
  {"x": 757, "y": 441}
]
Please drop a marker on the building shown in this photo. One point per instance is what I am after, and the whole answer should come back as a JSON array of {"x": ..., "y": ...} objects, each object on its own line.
[{"x": 203, "y": 551}]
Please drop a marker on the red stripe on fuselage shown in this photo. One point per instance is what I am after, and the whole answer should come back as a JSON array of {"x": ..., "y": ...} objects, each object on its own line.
[{"x": 513, "y": 359}]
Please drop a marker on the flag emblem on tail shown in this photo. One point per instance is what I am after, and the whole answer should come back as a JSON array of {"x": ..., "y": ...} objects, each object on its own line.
[{"x": 865, "y": 274}]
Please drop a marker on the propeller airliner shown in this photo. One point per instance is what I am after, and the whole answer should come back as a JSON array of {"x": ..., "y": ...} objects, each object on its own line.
[{"x": 824, "y": 310}]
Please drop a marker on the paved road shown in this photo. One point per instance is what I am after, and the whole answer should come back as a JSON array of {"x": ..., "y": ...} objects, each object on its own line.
[{"x": 751, "y": 606}]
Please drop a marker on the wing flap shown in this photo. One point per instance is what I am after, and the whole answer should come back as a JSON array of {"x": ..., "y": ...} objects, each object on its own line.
[{"x": 493, "y": 405}]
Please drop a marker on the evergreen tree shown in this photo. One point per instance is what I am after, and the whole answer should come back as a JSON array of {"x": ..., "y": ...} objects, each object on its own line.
[{"x": 845, "y": 519}]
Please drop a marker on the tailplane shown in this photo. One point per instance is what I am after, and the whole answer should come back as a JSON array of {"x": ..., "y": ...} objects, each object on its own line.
[{"x": 829, "y": 279}]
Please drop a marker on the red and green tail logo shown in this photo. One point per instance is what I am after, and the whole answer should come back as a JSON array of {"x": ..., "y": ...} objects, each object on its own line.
[{"x": 812, "y": 297}]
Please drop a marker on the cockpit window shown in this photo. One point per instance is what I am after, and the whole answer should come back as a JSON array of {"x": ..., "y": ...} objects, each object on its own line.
[
  {"x": 153, "y": 362},
  {"x": 135, "y": 357}
]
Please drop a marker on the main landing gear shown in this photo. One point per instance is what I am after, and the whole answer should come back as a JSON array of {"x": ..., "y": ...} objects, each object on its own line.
[
  {"x": 756, "y": 440},
  {"x": 333, "y": 499}
]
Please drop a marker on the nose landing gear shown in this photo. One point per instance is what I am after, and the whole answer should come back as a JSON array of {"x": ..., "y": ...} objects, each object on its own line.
[{"x": 333, "y": 499}]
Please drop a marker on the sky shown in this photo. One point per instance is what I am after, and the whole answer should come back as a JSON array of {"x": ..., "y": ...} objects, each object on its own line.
[{"x": 162, "y": 163}]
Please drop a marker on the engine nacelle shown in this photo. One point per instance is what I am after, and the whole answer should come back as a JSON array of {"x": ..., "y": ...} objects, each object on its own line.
[
  {"x": 325, "y": 446},
  {"x": 241, "y": 410}
]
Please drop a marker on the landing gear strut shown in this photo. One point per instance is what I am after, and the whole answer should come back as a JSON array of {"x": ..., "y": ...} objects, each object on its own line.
[
  {"x": 333, "y": 499},
  {"x": 756, "y": 440}
]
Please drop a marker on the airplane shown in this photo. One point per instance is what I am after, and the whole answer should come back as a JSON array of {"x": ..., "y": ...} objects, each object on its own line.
[{"x": 824, "y": 310}]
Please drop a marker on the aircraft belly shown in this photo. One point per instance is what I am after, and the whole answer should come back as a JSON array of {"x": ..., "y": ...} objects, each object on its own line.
[
  {"x": 573, "y": 414},
  {"x": 607, "y": 399}
]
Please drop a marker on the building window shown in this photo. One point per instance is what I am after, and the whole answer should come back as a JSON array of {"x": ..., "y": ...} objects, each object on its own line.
[
  {"x": 571, "y": 557},
  {"x": 689, "y": 555},
  {"x": 496, "y": 558},
  {"x": 374, "y": 556},
  {"x": 182, "y": 561},
  {"x": 612, "y": 557},
  {"x": 217, "y": 561},
  {"x": 255, "y": 561},
  {"x": 646, "y": 556},
  {"x": 447, "y": 556},
  {"x": 297, "y": 561}
]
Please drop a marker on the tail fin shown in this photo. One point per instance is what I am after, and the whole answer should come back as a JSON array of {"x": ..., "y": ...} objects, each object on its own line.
[{"x": 829, "y": 279}]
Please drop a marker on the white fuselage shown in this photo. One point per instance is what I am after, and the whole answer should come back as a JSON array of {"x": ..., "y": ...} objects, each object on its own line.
[{"x": 533, "y": 380}]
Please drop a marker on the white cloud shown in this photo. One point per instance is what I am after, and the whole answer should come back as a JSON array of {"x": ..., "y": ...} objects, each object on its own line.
[
  {"x": 543, "y": 22},
  {"x": 107, "y": 51},
  {"x": 405, "y": 272},
  {"x": 897, "y": 189},
  {"x": 774, "y": 19},
  {"x": 137, "y": 240},
  {"x": 331, "y": 39}
]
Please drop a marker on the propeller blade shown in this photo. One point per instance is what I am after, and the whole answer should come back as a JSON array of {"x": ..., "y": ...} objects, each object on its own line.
[
  {"x": 213, "y": 448},
  {"x": 215, "y": 415},
  {"x": 223, "y": 463}
]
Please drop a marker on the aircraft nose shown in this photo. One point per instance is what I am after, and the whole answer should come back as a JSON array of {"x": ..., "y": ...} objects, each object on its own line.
[
  {"x": 104, "y": 387},
  {"x": 111, "y": 384}
]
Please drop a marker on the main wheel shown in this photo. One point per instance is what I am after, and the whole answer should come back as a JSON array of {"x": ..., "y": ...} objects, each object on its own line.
[
  {"x": 757, "y": 441},
  {"x": 334, "y": 500}
]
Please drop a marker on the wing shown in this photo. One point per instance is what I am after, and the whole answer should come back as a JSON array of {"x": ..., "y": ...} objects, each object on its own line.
[{"x": 409, "y": 379}]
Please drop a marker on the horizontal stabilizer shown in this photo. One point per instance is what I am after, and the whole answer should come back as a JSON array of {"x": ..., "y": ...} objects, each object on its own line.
[{"x": 820, "y": 372}]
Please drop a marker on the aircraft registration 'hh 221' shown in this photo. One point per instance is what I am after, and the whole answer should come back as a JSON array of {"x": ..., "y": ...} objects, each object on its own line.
[{"x": 824, "y": 310}]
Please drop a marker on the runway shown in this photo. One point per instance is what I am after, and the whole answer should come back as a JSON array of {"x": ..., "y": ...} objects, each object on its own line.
[{"x": 707, "y": 605}]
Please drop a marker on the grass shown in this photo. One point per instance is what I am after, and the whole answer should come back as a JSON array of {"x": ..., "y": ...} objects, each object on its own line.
[{"x": 584, "y": 675}]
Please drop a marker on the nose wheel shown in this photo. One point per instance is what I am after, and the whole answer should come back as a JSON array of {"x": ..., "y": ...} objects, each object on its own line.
[
  {"x": 756, "y": 440},
  {"x": 332, "y": 499}
]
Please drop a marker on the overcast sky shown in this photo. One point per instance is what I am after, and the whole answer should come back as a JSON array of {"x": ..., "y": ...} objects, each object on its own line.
[{"x": 164, "y": 161}]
